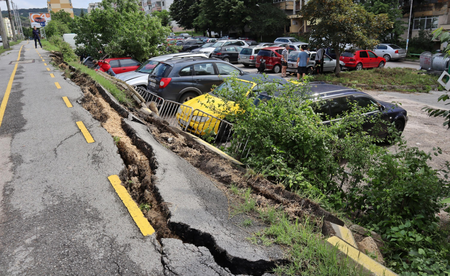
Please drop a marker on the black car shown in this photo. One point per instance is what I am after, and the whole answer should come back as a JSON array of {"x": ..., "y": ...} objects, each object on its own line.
[
  {"x": 182, "y": 80},
  {"x": 190, "y": 44},
  {"x": 227, "y": 53}
]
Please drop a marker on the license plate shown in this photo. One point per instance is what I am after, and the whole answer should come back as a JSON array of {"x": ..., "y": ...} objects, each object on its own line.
[{"x": 153, "y": 84}]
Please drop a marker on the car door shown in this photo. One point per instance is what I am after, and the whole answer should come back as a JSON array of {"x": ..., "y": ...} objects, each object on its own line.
[
  {"x": 329, "y": 64},
  {"x": 127, "y": 65},
  {"x": 225, "y": 70},
  {"x": 380, "y": 50},
  {"x": 364, "y": 59},
  {"x": 372, "y": 110},
  {"x": 205, "y": 76},
  {"x": 373, "y": 59}
]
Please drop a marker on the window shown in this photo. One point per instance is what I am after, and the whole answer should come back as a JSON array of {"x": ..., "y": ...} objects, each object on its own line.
[
  {"x": 128, "y": 62},
  {"x": 363, "y": 54},
  {"x": 204, "y": 69},
  {"x": 230, "y": 49},
  {"x": 246, "y": 51},
  {"x": 339, "y": 106},
  {"x": 114, "y": 63},
  {"x": 372, "y": 55},
  {"x": 382, "y": 47},
  {"x": 426, "y": 22},
  {"x": 225, "y": 69},
  {"x": 186, "y": 71},
  {"x": 366, "y": 102},
  {"x": 148, "y": 66}
]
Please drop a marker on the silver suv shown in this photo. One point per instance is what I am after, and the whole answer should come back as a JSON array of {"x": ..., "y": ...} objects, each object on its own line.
[
  {"x": 247, "y": 56},
  {"x": 139, "y": 77},
  {"x": 389, "y": 51},
  {"x": 209, "y": 50}
]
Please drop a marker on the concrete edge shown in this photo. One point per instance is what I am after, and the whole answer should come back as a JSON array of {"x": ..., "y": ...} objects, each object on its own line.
[
  {"x": 360, "y": 258},
  {"x": 345, "y": 234}
]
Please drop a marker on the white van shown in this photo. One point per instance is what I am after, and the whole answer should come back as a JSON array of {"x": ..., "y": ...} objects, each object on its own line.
[{"x": 70, "y": 38}]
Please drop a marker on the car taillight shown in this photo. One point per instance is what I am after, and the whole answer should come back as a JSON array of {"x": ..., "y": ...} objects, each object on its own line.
[
  {"x": 396, "y": 51},
  {"x": 164, "y": 82},
  {"x": 252, "y": 57},
  {"x": 217, "y": 54}
]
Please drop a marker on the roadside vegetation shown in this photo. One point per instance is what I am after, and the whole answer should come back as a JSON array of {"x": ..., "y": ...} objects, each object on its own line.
[
  {"x": 389, "y": 79},
  {"x": 391, "y": 190},
  {"x": 11, "y": 43}
]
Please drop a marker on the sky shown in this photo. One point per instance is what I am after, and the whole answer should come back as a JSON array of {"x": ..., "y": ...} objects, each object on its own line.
[{"x": 27, "y": 4}]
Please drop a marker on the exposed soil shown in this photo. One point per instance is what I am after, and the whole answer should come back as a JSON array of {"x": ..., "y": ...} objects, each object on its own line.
[{"x": 137, "y": 177}]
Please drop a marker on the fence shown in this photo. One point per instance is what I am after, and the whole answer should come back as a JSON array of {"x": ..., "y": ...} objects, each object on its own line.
[{"x": 210, "y": 128}]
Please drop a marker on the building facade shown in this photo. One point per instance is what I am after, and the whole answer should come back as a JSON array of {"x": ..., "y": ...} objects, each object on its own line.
[
  {"x": 292, "y": 8},
  {"x": 7, "y": 24},
  {"x": 57, "y": 5},
  {"x": 93, "y": 6}
]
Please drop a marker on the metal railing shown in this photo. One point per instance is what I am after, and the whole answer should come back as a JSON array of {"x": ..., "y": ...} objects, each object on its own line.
[{"x": 210, "y": 128}]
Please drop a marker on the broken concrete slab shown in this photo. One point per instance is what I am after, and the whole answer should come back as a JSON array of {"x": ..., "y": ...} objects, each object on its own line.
[{"x": 199, "y": 211}]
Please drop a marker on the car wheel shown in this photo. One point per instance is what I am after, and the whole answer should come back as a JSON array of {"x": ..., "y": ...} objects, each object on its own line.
[
  {"x": 277, "y": 69},
  {"x": 310, "y": 70},
  {"x": 399, "y": 125},
  {"x": 381, "y": 65},
  {"x": 226, "y": 59},
  {"x": 359, "y": 66},
  {"x": 387, "y": 57},
  {"x": 187, "y": 96}
]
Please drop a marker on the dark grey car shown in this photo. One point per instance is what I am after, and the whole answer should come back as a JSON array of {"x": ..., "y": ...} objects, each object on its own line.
[{"x": 182, "y": 80}]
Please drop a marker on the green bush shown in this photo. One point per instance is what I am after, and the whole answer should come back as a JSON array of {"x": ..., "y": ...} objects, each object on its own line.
[{"x": 64, "y": 48}]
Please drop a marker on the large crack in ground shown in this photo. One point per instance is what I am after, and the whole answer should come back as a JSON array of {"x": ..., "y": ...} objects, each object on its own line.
[{"x": 138, "y": 177}]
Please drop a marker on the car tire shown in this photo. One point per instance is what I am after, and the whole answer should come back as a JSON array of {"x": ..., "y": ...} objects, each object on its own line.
[
  {"x": 187, "y": 96},
  {"x": 359, "y": 66},
  {"x": 399, "y": 125},
  {"x": 387, "y": 57},
  {"x": 226, "y": 59},
  {"x": 310, "y": 70},
  {"x": 276, "y": 69},
  {"x": 381, "y": 65}
]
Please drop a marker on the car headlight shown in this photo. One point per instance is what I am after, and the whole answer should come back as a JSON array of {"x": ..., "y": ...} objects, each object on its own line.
[{"x": 200, "y": 119}]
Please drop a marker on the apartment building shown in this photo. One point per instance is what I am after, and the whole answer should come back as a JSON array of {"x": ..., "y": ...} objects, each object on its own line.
[
  {"x": 7, "y": 24},
  {"x": 93, "y": 6},
  {"x": 291, "y": 8},
  {"x": 57, "y": 5}
]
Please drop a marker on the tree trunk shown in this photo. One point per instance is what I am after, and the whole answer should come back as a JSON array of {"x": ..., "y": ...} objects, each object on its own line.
[{"x": 337, "y": 70}]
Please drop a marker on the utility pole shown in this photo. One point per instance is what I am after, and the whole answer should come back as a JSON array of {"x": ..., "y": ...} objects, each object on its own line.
[
  {"x": 11, "y": 21},
  {"x": 3, "y": 32},
  {"x": 18, "y": 20}
]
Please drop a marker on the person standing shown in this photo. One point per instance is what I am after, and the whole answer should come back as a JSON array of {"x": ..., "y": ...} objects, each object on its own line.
[
  {"x": 106, "y": 67},
  {"x": 284, "y": 60},
  {"x": 36, "y": 37},
  {"x": 319, "y": 61},
  {"x": 302, "y": 61}
]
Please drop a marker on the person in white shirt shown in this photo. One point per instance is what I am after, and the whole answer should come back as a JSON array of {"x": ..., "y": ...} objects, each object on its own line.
[
  {"x": 284, "y": 60},
  {"x": 319, "y": 61}
]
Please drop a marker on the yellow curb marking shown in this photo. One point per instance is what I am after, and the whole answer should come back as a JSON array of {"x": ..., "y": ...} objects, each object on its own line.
[
  {"x": 8, "y": 89},
  {"x": 48, "y": 69},
  {"x": 45, "y": 64},
  {"x": 135, "y": 212},
  {"x": 51, "y": 75},
  {"x": 66, "y": 100},
  {"x": 57, "y": 85},
  {"x": 345, "y": 234},
  {"x": 85, "y": 132},
  {"x": 361, "y": 258}
]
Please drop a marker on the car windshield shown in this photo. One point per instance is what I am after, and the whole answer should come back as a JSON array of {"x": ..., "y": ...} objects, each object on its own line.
[
  {"x": 246, "y": 51},
  {"x": 348, "y": 54},
  {"x": 147, "y": 67},
  {"x": 227, "y": 89},
  {"x": 160, "y": 69},
  {"x": 207, "y": 45},
  {"x": 264, "y": 53},
  {"x": 294, "y": 40},
  {"x": 395, "y": 47},
  {"x": 218, "y": 44}
]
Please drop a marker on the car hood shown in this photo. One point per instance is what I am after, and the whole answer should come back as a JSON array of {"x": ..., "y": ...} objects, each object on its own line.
[
  {"x": 130, "y": 75},
  {"x": 392, "y": 108}
]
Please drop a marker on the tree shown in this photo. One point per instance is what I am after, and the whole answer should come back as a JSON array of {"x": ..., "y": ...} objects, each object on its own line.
[
  {"x": 82, "y": 13},
  {"x": 120, "y": 29},
  {"x": 63, "y": 17},
  {"x": 394, "y": 12},
  {"x": 55, "y": 27},
  {"x": 184, "y": 12},
  {"x": 336, "y": 23},
  {"x": 164, "y": 16},
  {"x": 267, "y": 20}
]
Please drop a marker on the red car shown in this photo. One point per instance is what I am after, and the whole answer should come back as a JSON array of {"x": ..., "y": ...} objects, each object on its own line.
[
  {"x": 272, "y": 55},
  {"x": 362, "y": 59},
  {"x": 122, "y": 65}
]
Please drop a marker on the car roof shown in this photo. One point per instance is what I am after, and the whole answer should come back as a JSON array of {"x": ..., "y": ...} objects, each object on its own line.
[
  {"x": 171, "y": 56},
  {"x": 284, "y": 37},
  {"x": 193, "y": 60}
]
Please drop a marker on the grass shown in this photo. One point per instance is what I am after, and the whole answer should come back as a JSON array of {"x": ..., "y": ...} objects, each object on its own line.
[
  {"x": 11, "y": 43},
  {"x": 395, "y": 79},
  {"x": 48, "y": 46},
  {"x": 117, "y": 93}
]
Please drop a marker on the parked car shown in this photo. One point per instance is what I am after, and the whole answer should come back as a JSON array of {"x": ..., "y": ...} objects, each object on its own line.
[
  {"x": 182, "y": 80},
  {"x": 229, "y": 53},
  {"x": 247, "y": 56},
  {"x": 329, "y": 64},
  {"x": 206, "y": 45},
  {"x": 185, "y": 35},
  {"x": 390, "y": 51},
  {"x": 123, "y": 65},
  {"x": 208, "y": 107},
  {"x": 208, "y": 51},
  {"x": 289, "y": 40},
  {"x": 272, "y": 55},
  {"x": 139, "y": 77},
  {"x": 190, "y": 44},
  {"x": 330, "y": 101},
  {"x": 268, "y": 44},
  {"x": 362, "y": 59}
]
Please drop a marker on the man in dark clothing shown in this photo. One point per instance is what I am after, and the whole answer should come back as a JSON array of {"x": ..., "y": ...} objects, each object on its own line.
[{"x": 36, "y": 37}]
